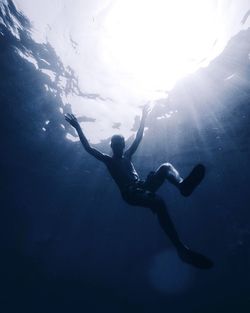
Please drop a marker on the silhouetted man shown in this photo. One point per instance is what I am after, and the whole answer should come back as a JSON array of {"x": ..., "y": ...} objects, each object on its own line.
[{"x": 142, "y": 192}]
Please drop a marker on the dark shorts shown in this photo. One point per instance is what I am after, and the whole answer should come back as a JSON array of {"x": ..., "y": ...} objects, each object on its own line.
[{"x": 142, "y": 192}]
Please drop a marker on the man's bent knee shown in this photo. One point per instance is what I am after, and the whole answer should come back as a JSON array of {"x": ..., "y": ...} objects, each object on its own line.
[{"x": 166, "y": 168}]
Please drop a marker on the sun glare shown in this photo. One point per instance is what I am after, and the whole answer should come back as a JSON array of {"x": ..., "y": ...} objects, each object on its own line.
[
  {"x": 125, "y": 53},
  {"x": 156, "y": 42}
]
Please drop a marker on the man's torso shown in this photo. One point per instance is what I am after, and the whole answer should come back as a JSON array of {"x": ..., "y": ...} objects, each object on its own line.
[{"x": 122, "y": 171}]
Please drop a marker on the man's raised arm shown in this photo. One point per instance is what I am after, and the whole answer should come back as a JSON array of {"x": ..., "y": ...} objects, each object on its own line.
[
  {"x": 72, "y": 120},
  {"x": 131, "y": 150}
]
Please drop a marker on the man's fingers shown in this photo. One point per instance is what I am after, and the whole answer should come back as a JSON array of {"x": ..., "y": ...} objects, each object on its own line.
[
  {"x": 70, "y": 115},
  {"x": 73, "y": 116},
  {"x": 67, "y": 115},
  {"x": 68, "y": 119},
  {"x": 146, "y": 109}
]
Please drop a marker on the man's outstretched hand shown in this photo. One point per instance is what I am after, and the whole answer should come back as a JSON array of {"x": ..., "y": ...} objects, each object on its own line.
[
  {"x": 72, "y": 120},
  {"x": 146, "y": 109}
]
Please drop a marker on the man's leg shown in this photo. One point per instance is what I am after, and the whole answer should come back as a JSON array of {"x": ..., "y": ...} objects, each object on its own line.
[
  {"x": 150, "y": 200},
  {"x": 160, "y": 209},
  {"x": 167, "y": 172},
  {"x": 158, "y": 206}
]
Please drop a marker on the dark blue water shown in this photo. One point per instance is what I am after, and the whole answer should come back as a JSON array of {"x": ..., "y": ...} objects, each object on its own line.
[{"x": 68, "y": 241}]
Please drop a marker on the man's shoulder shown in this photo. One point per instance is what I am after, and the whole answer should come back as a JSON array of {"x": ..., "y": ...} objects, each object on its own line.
[{"x": 106, "y": 157}]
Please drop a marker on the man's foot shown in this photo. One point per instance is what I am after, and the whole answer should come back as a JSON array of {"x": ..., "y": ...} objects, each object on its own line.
[
  {"x": 193, "y": 180},
  {"x": 195, "y": 259}
]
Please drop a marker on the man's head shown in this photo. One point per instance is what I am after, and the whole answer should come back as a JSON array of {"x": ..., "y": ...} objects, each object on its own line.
[{"x": 117, "y": 144}]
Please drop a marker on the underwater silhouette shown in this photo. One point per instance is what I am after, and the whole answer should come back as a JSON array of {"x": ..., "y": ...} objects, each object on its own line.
[
  {"x": 138, "y": 192},
  {"x": 64, "y": 245}
]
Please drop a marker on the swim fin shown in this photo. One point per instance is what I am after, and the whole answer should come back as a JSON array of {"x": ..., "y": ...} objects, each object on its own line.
[
  {"x": 195, "y": 259},
  {"x": 193, "y": 180}
]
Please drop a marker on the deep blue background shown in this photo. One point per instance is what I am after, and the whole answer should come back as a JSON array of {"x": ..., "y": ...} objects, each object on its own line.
[{"x": 69, "y": 243}]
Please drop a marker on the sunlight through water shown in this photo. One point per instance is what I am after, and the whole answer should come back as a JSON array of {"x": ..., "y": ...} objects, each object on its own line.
[
  {"x": 125, "y": 53},
  {"x": 157, "y": 41}
]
